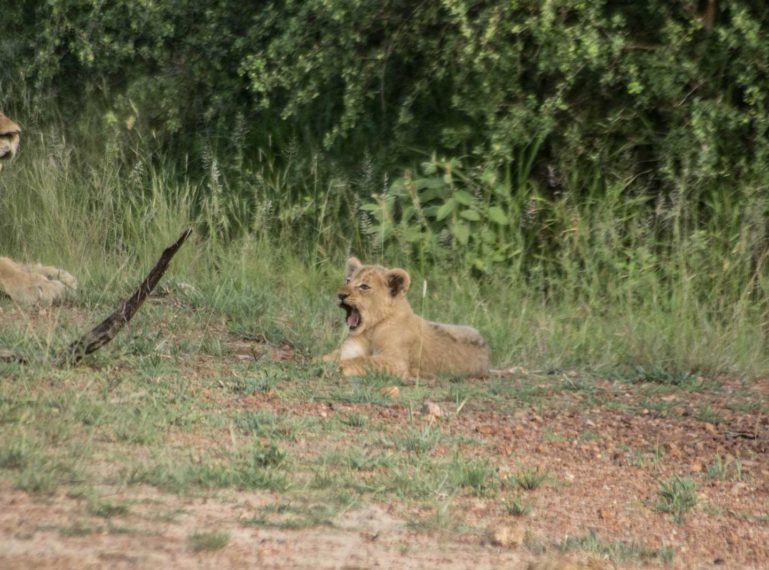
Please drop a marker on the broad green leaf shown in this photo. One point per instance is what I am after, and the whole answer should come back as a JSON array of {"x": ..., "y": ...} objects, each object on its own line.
[
  {"x": 433, "y": 182},
  {"x": 397, "y": 188},
  {"x": 412, "y": 235},
  {"x": 461, "y": 232},
  {"x": 471, "y": 215},
  {"x": 464, "y": 197},
  {"x": 445, "y": 209},
  {"x": 498, "y": 216},
  {"x": 488, "y": 235}
]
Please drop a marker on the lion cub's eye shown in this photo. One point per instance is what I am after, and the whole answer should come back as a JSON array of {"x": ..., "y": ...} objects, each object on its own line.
[
  {"x": 347, "y": 281},
  {"x": 364, "y": 286}
]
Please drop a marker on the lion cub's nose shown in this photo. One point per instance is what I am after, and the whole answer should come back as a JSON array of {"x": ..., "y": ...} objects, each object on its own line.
[{"x": 342, "y": 296}]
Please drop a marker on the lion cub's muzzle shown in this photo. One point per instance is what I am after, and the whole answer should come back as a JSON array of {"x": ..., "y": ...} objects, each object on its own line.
[{"x": 353, "y": 318}]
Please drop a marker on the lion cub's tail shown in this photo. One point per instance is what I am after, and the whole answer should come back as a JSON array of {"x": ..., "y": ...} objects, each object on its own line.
[
  {"x": 460, "y": 333},
  {"x": 457, "y": 349}
]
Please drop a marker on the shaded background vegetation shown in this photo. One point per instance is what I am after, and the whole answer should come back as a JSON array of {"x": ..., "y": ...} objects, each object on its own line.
[
  {"x": 603, "y": 154},
  {"x": 664, "y": 91}
]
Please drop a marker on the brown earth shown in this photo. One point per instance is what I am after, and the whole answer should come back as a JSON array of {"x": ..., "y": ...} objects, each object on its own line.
[{"x": 604, "y": 455}]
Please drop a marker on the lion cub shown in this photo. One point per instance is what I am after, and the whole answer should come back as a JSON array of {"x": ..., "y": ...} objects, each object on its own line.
[{"x": 386, "y": 336}]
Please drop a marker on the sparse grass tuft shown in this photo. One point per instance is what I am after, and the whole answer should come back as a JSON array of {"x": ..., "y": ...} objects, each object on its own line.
[
  {"x": 355, "y": 420},
  {"x": 517, "y": 507},
  {"x": 419, "y": 440},
  {"x": 204, "y": 541},
  {"x": 618, "y": 551},
  {"x": 658, "y": 375},
  {"x": 267, "y": 455},
  {"x": 476, "y": 475},
  {"x": 293, "y": 516},
  {"x": 106, "y": 509},
  {"x": 78, "y": 528},
  {"x": 707, "y": 414},
  {"x": 717, "y": 469},
  {"x": 527, "y": 479},
  {"x": 677, "y": 496}
]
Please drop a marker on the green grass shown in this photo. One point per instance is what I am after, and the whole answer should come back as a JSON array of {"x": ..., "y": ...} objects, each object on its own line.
[
  {"x": 479, "y": 477},
  {"x": 189, "y": 399},
  {"x": 107, "y": 509},
  {"x": 612, "y": 300},
  {"x": 528, "y": 479},
  {"x": 517, "y": 507},
  {"x": 293, "y": 516},
  {"x": 618, "y": 551},
  {"x": 676, "y": 496},
  {"x": 707, "y": 414},
  {"x": 204, "y": 541}
]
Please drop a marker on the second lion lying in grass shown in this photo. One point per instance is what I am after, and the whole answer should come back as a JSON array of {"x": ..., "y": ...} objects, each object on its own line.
[
  {"x": 27, "y": 283},
  {"x": 386, "y": 336}
]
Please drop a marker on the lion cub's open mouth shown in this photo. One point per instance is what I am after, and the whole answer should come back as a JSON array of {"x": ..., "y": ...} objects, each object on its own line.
[{"x": 353, "y": 316}]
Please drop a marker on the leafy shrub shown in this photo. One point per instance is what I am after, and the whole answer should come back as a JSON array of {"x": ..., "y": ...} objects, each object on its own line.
[{"x": 661, "y": 92}]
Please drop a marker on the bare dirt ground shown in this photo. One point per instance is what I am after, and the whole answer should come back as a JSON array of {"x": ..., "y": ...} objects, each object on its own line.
[{"x": 605, "y": 446}]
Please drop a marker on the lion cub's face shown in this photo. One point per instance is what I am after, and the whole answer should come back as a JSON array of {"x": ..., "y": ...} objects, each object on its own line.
[
  {"x": 371, "y": 294},
  {"x": 9, "y": 138}
]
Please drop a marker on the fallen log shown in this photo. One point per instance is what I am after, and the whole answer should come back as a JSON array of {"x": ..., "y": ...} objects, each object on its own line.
[{"x": 105, "y": 331}]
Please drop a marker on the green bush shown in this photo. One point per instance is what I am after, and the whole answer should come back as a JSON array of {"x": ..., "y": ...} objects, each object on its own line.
[{"x": 656, "y": 93}]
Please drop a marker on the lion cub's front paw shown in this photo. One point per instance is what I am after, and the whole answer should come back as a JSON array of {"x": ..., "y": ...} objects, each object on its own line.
[
  {"x": 332, "y": 356},
  {"x": 352, "y": 370},
  {"x": 49, "y": 290},
  {"x": 53, "y": 274},
  {"x": 67, "y": 279},
  {"x": 35, "y": 288}
]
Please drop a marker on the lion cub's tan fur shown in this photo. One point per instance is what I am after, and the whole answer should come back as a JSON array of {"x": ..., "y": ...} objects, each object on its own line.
[
  {"x": 386, "y": 336},
  {"x": 27, "y": 283}
]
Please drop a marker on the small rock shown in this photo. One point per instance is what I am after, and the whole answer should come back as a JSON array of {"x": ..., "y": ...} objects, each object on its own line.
[
  {"x": 391, "y": 392},
  {"x": 738, "y": 488},
  {"x": 507, "y": 536},
  {"x": 710, "y": 428},
  {"x": 431, "y": 411},
  {"x": 696, "y": 467}
]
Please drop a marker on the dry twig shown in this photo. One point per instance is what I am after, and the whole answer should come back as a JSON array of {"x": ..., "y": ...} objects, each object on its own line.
[{"x": 100, "y": 335}]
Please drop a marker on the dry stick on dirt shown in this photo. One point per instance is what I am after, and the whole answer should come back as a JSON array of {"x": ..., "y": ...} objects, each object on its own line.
[{"x": 100, "y": 335}]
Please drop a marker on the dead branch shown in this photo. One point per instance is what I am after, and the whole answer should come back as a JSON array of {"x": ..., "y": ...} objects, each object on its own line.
[{"x": 103, "y": 333}]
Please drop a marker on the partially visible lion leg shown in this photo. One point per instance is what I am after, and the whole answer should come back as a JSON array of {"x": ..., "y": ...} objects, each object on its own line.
[
  {"x": 332, "y": 356},
  {"x": 53, "y": 273},
  {"x": 27, "y": 286},
  {"x": 362, "y": 365}
]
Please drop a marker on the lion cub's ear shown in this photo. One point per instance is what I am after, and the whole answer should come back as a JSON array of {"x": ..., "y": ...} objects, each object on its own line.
[
  {"x": 398, "y": 280},
  {"x": 353, "y": 264}
]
